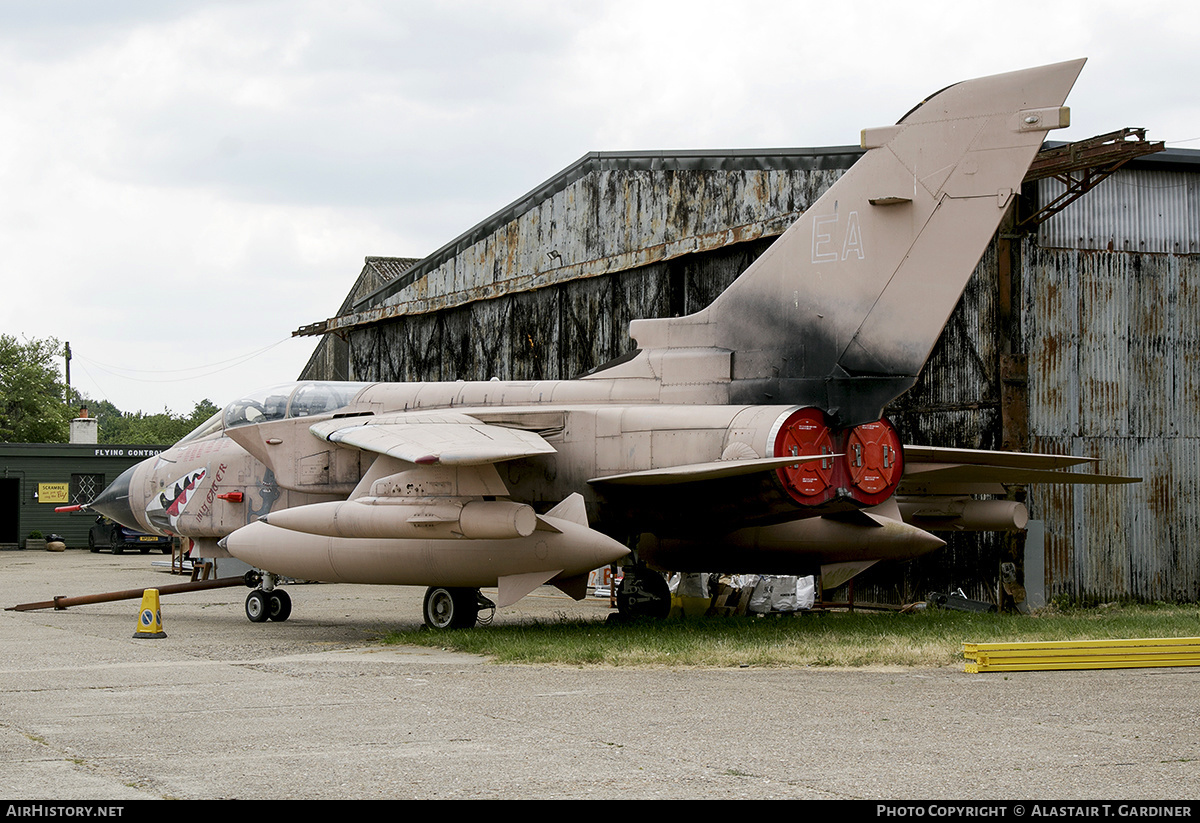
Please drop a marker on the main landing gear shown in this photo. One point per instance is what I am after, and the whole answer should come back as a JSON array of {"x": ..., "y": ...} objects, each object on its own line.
[
  {"x": 266, "y": 603},
  {"x": 449, "y": 607},
  {"x": 643, "y": 592}
]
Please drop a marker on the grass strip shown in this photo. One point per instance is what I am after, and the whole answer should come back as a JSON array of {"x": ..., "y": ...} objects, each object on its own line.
[{"x": 930, "y": 638}]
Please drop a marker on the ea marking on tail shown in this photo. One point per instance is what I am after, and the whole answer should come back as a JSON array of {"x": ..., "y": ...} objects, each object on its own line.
[{"x": 828, "y": 230}]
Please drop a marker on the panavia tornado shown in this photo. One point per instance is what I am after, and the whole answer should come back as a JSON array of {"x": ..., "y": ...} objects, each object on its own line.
[{"x": 746, "y": 437}]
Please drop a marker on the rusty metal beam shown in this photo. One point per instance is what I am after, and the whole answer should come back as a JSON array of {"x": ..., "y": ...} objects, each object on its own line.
[
  {"x": 1083, "y": 165},
  {"x": 61, "y": 602},
  {"x": 1122, "y": 145},
  {"x": 312, "y": 329}
]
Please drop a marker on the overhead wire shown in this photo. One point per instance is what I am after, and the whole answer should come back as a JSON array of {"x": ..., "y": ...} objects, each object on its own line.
[{"x": 127, "y": 373}]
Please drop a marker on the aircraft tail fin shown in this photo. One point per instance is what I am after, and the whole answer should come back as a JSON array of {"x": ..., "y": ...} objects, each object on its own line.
[{"x": 844, "y": 308}]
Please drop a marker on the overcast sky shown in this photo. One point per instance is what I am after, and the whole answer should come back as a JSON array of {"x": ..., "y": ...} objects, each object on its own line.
[{"x": 183, "y": 184}]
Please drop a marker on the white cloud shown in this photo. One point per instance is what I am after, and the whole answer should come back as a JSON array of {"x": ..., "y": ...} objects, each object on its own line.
[{"x": 188, "y": 182}]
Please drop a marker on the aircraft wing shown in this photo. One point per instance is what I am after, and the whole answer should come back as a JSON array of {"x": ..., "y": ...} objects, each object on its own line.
[
  {"x": 443, "y": 438},
  {"x": 941, "y": 471},
  {"x": 696, "y": 472},
  {"x": 416, "y": 515}
]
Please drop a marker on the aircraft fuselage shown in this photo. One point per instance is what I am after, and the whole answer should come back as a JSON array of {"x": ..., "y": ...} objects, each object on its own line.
[{"x": 210, "y": 486}]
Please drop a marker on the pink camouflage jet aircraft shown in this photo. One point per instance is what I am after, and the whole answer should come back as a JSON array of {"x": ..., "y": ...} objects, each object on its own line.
[{"x": 746, "y": 437}]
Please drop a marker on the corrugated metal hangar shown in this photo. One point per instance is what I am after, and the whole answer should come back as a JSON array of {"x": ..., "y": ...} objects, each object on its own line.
[{"x": 1078, "y": 334}]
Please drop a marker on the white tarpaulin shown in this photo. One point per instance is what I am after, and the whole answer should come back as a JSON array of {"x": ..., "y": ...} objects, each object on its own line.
[{"x": 782, "y": 593}]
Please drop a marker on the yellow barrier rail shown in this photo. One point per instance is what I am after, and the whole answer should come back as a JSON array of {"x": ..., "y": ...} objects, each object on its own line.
[{"x": 1082, "y": 654}]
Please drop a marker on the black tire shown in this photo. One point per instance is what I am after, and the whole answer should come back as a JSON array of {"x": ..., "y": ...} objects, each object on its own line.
[
  {"x": 258, "y": 609},
  {"x": 279, "y": 605},
  {"x": 450, "y": 608},
  {"x": 92, "y": 547},
  {"x": 643, "y": 593}
]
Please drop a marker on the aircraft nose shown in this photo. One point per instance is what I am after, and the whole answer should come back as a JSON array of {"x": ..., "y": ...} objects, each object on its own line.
[{"x": 114, "y": 501}]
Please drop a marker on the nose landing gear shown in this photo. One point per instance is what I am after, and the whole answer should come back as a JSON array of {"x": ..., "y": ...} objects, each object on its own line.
[{"x": 268, "y": 602}]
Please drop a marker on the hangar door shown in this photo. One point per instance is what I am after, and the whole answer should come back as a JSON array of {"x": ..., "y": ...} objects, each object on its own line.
[{"x": 10, "y": 510}]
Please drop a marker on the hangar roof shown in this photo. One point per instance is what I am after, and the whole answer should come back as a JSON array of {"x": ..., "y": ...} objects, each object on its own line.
[
  {"x": 369, "y": 300},
  {"x": 833, "y": 157}
]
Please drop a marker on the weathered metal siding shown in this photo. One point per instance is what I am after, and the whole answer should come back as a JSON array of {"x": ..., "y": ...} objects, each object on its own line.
[
  {"x": 617, "y": 217},
  {"x": 1114, "y": 372},
  {"x": 1135, "y": 210},
  {"x": 1127, "y": 541},
  {"x": 550, "y": 293},
  {"x": 557, "y": 332},
  {"x": 956, "y": 401},
  {"x": 329, "y": 361}
]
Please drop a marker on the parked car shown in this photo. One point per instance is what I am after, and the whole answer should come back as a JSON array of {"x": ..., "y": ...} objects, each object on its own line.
[{"x": 109, "y": 534}]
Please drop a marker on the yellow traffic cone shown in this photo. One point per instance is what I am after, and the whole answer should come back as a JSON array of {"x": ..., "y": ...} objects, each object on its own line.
[{"x": 149, "y": 618}]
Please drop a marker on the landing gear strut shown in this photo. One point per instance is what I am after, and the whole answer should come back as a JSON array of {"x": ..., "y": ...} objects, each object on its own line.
[
  {"x": 268, "y": 602},
  {"x": 449, "y": 607},
  {"x": 643, "y": 593}
]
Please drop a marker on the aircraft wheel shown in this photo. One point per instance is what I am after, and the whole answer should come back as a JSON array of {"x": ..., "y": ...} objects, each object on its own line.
[
  {"x": 643, "y": 593},
  {"x": 279, "y": 605},
  {"x": 258, "y": 609},
  {"x": 450, "y": 608}
]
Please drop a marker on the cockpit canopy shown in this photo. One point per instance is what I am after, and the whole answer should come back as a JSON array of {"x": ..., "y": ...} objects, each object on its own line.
[{"x": 275, "y": 403}]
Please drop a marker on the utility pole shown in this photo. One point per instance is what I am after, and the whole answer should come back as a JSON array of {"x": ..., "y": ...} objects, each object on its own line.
[{"x": 67, "y": 355}]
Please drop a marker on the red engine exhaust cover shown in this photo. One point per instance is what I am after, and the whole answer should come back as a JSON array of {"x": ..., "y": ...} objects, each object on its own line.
[
  {"x": 874, "y": 460},
  {"x": 869, "y": 470}
]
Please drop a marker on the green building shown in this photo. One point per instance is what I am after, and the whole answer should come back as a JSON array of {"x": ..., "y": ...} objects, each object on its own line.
[{"x": 36, "y": 478}]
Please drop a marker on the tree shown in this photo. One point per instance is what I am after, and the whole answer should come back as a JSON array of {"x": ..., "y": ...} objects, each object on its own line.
[
  {"x": 201, "y": 412},
  {"x": 33, "y": 408},
  {"x": 139, "y": 428},
  {"x": 32, "y": 392}
]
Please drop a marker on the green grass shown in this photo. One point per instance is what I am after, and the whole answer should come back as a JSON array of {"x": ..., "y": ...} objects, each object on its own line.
[{"x": 931, "y": 638}]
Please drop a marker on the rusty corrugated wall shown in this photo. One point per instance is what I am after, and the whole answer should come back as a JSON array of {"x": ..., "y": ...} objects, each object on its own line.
[
  {"x": 1111, "y": 312},
  {"x": 956, "y": 402},
  {"x": 1114, "y": 373},
  {"x": 1154, "y": 210}
]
